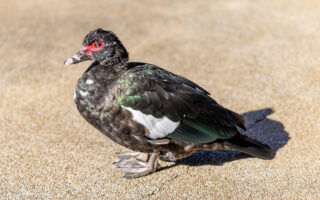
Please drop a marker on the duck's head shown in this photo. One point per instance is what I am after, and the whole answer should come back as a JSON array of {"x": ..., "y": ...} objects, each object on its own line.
[{"x": 101, "y": 46}]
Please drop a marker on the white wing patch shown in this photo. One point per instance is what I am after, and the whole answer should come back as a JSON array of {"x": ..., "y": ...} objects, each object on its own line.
[{"x": 158, "y": 127}]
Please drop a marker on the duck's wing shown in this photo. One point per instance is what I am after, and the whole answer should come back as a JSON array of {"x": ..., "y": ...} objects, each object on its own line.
[{"x": 172, "y": 106}]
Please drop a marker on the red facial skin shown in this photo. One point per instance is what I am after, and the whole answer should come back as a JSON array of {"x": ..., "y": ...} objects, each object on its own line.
[
  {"x": 85, "y": 50},
  {"x": 95, "y": 46}
]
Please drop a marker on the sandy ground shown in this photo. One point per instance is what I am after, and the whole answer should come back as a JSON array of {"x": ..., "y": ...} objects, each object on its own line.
[{"x": 251, "y": 55}]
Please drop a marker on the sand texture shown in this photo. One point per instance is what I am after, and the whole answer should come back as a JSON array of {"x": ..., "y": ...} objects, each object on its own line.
[{"x": 253, "y": 56}]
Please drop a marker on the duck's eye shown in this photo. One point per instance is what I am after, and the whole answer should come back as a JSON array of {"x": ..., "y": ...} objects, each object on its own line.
[{"x": 97, "y": 44}]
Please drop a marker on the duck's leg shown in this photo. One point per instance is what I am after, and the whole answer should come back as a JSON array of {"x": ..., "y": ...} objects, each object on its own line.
[{"x": 137, "y": 164}]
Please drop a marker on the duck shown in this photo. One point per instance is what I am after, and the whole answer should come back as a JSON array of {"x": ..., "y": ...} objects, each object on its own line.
[{"x": 157, "y": 114}]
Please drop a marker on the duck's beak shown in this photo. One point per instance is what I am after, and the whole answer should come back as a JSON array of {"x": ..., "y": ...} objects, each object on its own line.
[{"x": 82, "y": 55}]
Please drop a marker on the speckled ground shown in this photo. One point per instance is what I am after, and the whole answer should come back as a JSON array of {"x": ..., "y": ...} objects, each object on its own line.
[{"x": 251, "y": 55}]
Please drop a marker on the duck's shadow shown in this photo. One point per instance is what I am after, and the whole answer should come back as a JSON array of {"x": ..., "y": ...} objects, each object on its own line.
[{"x": 258, "y": 126}]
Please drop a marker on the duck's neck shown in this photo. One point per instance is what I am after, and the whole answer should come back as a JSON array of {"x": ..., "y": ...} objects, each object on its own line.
[
  {"x": 118, "y": 67},
  {"x": 115, "y": 68}
]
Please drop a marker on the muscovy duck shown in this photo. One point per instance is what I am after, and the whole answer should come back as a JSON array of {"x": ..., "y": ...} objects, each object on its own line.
[{"x": 154, "y": 112}]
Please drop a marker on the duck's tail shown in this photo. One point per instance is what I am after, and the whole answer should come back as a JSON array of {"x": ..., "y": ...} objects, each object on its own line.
[{"x": 249, "y": 146}]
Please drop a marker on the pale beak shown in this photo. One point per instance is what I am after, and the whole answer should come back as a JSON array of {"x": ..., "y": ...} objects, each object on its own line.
[{"x": 82, "y": 55}]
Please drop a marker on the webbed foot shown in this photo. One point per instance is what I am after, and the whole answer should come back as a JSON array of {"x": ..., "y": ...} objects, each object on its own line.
[{"x": 137, "y": 164}]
